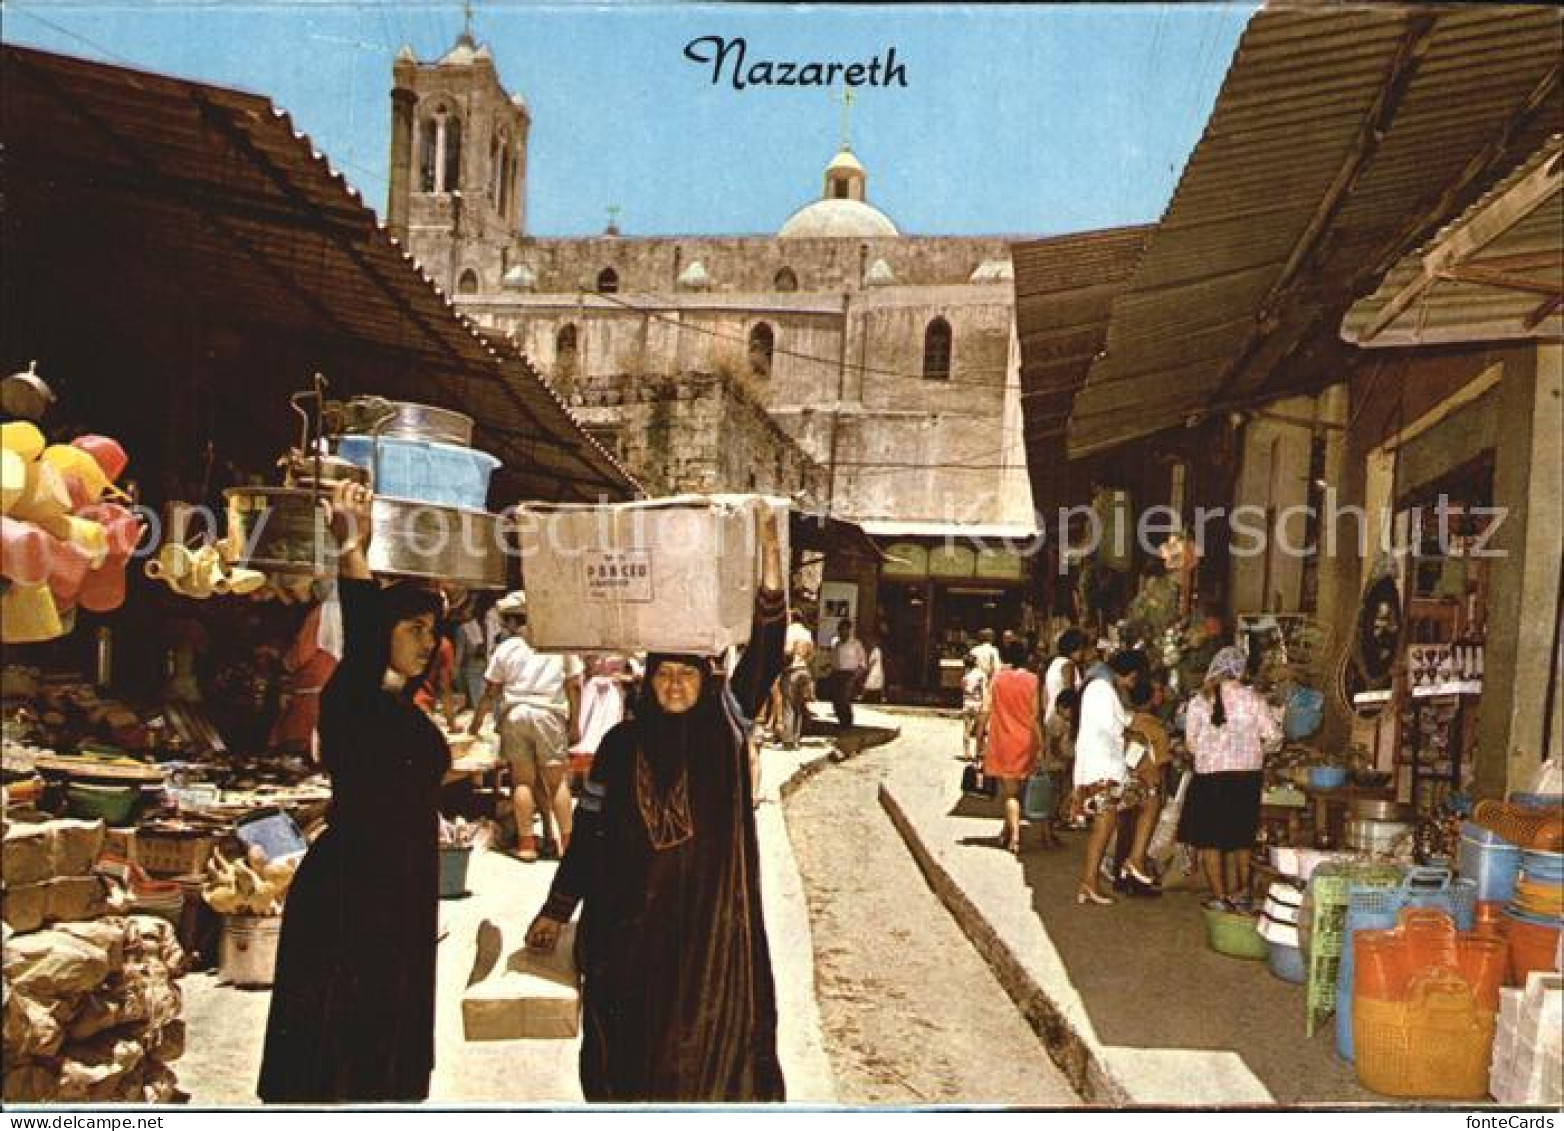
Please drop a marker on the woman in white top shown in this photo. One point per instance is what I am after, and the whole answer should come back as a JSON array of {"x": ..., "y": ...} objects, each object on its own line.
[
  {"x": 874, "y": 674},
  {"x": 1064, "y": 670},
  {"x": 1103, "y": 783}
]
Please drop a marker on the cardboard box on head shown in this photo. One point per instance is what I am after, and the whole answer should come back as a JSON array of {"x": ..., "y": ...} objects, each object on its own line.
[{"x": 666, "y": 575}]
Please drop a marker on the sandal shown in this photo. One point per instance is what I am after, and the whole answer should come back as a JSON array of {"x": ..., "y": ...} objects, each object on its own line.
[{"x": 1085, "y": 895}]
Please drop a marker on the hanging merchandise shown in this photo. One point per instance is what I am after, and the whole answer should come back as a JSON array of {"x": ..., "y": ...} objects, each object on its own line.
[
  {"x": 62, "y": 545},
  {"x": 430, "y": 493}
]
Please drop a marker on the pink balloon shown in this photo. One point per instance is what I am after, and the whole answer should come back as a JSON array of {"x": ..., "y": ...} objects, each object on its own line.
[
  {"x": 103, "y": 589},
  {"x": 25, "y": 552},
  {"x": 110, "y": 456},
  {"x": 68, "y": 570}
]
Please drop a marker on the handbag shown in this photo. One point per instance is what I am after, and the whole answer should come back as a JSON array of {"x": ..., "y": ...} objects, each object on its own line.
[
  {"x": 975, "y": 783},
  {"x": 1041, "y": 799}
]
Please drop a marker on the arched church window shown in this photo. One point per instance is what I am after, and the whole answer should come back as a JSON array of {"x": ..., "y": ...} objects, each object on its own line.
[
  {"x": 468, "y": 283},
  {"x": 936, "y": 351},
  {"x": 785, "y": 280},
  {"x": 607, "y": 281},
  {"x": 565, "y": 350},
  {"x": 428, "y": 150},
  {"x": 453, "y": 154},
  {"x": 762, "y": 341},
  {"x": 439, "y": 150}
]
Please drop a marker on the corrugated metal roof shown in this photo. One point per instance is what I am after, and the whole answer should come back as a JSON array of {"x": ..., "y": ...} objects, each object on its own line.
[
  {"x": 1065, "y": 287},
  {"x": 1496, "y": 273},
  {"x": 204, "y": 190},
  {"x": 1341, "y": 137}
]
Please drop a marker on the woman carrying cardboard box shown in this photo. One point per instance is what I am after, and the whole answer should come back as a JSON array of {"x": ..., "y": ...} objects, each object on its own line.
[{"x": 678, "y": 999}]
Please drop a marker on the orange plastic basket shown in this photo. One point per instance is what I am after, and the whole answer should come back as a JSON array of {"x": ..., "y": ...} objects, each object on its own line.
[
  {"x": 1484, "y": 963},
  {"x": 1430, "y": 938},
  {"x": 1435, "y": 1045},
  {"x": 1382, "y": 965}
]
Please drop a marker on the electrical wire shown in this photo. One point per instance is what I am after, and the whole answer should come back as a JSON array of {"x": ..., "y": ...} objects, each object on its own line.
[{"x": 858, "y": 367}]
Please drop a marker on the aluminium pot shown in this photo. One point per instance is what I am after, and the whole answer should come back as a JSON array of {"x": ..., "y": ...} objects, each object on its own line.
[
  {"x": 1375, "y": 837},
  {"x": 1370, "y": 809},
  {"x": 438, "y": 543},
  {"x": 416, "y": 422}
]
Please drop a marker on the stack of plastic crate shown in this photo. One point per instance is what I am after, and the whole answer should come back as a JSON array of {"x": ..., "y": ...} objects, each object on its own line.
[
  {"x": 1528, "y": 1049},
  {"x": 1330, "y": 885}
]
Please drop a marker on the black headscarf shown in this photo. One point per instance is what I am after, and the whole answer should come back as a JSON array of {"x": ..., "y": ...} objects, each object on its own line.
[{"x": 666, "y": 739}]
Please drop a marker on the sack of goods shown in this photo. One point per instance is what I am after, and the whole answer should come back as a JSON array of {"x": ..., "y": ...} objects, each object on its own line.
[{"x": 668, "y": 575}]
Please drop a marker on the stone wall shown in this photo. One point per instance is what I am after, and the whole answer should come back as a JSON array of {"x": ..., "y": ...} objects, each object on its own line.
[
  {"x": 845, "y": 381},
  {"x": 702, "y": 432},
  {"x": 751, "y": 263}
]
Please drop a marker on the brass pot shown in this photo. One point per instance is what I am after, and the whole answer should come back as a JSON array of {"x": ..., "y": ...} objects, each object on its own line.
[{"x": 280, "y": 530}]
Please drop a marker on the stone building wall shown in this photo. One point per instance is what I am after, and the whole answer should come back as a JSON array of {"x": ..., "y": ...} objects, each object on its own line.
[
  {"x": 751, "y": 263},
  {"x": 696, "y": 432}
]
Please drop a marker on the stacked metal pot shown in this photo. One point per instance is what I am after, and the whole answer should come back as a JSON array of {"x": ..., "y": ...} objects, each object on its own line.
[{"x": 431, "y": 489}]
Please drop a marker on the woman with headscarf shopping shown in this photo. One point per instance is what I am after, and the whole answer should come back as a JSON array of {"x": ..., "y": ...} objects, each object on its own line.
[
  {"x": 1227, "y": 728},
  {"x": 678, "y": 999}
]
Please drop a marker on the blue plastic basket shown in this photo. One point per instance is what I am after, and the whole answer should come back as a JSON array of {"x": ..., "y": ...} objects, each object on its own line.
[
  {"x": 442, "y": 474},
  {"x": 1376, "y": 909},
  {"x": 1489, "y": 861}
]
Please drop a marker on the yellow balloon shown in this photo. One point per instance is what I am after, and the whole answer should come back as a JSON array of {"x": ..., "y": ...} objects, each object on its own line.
[
  {"x": 13, "y": 479},
  {"x": 23, "y": 438},
  {"x": 28, "y": 615}
]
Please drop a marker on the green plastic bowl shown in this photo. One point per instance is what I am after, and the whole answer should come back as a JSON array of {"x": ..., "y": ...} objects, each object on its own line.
[
  {"x": 111, "y": 804},
  {"x": 1235, "y": 935}
]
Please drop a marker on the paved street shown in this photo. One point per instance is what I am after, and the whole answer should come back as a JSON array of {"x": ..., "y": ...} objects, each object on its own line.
[
  {"x": 912, "y": 1014},
  {"x": 1129, "y": 998}
]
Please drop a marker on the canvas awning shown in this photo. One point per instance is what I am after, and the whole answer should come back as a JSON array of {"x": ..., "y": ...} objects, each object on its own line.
[
  {"x": 193, "y": 225},
  {"x": 1342, "y": 138},
  {"x": 1495, "y": 274}
]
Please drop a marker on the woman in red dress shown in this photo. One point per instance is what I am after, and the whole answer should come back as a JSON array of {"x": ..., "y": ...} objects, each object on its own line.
[{"x": 1014, "y": 735}]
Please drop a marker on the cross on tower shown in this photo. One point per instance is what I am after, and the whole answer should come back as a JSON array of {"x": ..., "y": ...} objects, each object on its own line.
[
  {"x": 466, "y": 19},
  {"x": 846, "y": 99}
]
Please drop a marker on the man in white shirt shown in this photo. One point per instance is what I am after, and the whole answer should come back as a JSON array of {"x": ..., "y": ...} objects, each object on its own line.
[
  {"x": 540, "y": 701},
  {"x": 849, "y": 663}
]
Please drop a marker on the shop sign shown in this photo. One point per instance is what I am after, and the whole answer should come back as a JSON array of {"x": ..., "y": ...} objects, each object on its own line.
[
  {"x": 952, "y": 561},
  {"x": 1000, "y": 564},
  {"x": 905, "y": 559}
]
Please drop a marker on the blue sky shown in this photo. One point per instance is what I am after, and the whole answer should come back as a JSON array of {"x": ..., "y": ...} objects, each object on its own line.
[{"x": 1015, "y": 120}]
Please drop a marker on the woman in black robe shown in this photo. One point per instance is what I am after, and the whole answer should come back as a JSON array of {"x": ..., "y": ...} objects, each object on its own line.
[
  {"x": 678, "y": 999},
  {"x": 352, "y": 1011}
]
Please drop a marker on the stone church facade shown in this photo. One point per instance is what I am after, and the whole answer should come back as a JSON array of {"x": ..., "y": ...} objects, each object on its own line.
[{"x": 865, "y": 372}]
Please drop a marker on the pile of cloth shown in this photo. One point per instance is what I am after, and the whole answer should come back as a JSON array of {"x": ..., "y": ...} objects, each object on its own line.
[{"x": 91, "y": 1000}]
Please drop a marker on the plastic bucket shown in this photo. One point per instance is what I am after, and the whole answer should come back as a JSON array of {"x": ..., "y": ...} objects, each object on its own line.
[
  {"x": 247, "y": 953},
  {"x": 453, "y": 872},
  {"x": 1286, "y": 962},
  {"x": 1532, "y": 946},
  {"x": 1489, "y": 861}
]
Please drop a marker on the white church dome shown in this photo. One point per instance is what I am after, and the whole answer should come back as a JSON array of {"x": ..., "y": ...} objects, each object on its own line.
[{"x": 838, "y": 218}]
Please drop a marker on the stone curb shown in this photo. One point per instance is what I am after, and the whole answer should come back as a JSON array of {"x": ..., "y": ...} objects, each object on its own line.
[{"x": 1077, "y": 1055}]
